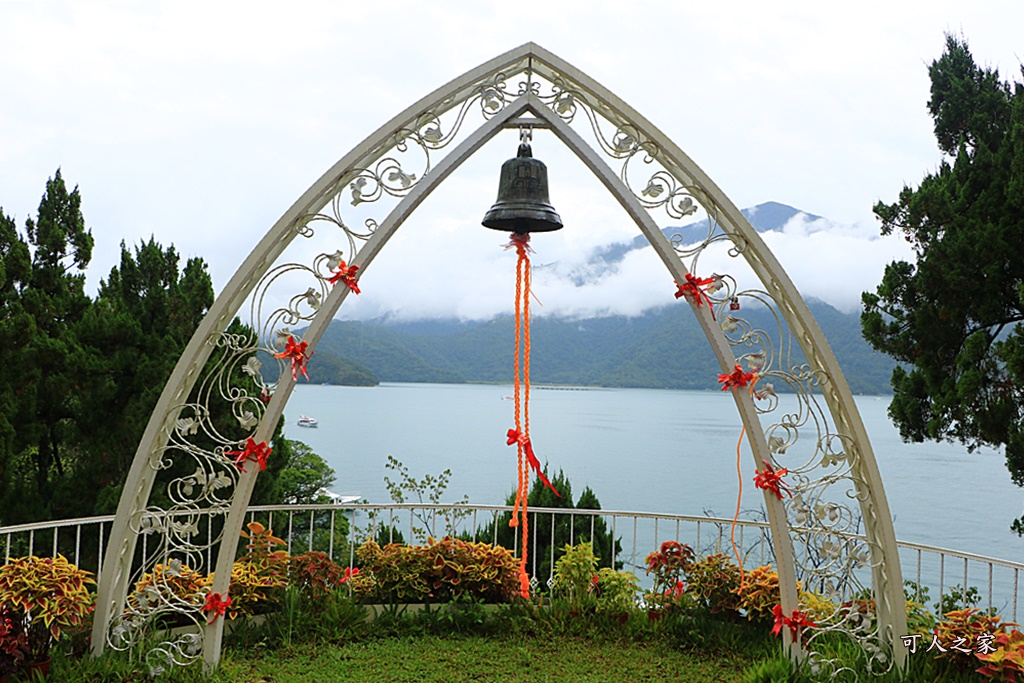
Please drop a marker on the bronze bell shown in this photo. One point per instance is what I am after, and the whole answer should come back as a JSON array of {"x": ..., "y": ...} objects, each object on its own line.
[{"x": 522, "y": 204}]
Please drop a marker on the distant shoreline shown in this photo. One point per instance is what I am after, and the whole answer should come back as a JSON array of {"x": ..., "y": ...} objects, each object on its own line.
[{"x": 565, "y": 387}]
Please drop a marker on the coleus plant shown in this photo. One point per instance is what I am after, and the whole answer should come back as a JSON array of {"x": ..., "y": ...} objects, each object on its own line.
[
  {"x": 668, "y": 565},
  {"x": 758, "y": 593},
  {"x": 14, "y": 648},
  {"x": 48, "y": 596},
  {"x": 713, "y": 581},
  {"x": 439, "y": 571}
]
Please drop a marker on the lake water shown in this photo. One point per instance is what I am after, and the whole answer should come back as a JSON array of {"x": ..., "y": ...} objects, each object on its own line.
[{"x": 643, "y": 450}]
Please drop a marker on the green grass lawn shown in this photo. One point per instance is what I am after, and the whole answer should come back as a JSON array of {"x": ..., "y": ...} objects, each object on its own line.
[
  {"x": 335, "y": 641},
  {"x": 429, "y": 659}
]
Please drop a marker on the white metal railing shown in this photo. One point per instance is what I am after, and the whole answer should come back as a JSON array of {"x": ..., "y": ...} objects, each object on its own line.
[{"x": 936, "y": 569}]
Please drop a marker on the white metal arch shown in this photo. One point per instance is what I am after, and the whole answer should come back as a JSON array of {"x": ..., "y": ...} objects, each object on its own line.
[{"x": 366, "y": 171}]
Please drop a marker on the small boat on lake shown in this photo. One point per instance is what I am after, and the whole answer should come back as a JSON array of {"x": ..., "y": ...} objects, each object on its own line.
[
  {"x": 341, "y": 499},
  {"x": 306, "y": 421}
]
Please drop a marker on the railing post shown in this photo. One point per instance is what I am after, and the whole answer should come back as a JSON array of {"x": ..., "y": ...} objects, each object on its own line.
[
  {"x": 942, "y": 577},
  {"x": 99, "y": 558},
  {"x": 312, "y": 517},
  {"x": 330, "y": 546}
]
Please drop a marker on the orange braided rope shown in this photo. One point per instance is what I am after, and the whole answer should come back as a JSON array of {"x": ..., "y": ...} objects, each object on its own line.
[
  {"x": 739, "y": 494},
  {"x": 517, "y": 393},
  {"x": 739, "y": 497},
  {"x": 522, "y": 400}
]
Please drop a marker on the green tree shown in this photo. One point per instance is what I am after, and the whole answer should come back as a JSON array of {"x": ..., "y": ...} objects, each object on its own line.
[
  {"x": 143, "y": 317},
  {"x": 551, "y": 532},
  {"x": 81, "y": 377},
  {"x": 43, "y": 301},
  {"x": 304, "y": 475},
  {"x": 952, "y": 317},
  {"x": 15, "y": 271}
]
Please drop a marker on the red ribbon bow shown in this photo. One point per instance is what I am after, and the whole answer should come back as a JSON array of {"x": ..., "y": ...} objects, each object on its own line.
[
  {"x": 217, "y": 605},
  {"x": 693, "y": 289},
  {"x": 520, "y": 242},
  {"x": 797, "y": 621},
  {"x": 257, "y": 452},
  {"x": 771, "y": 479},
  {"x": 346, "y": 274},
  {"x": 738, "y": 378},
  {"x": 514, "y": 437},
  {"x": 297, "y": 353}
]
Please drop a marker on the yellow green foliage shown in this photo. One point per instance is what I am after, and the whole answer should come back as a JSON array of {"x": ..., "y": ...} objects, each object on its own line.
[
  {"x": 1006, "y": 662},
  {"x": 616, "y": 591},
  {"x": 257, "y": 575},
  {"x": 49, "y": 592},
  {"x": 961, "y": 629},
  {"x": 437, "y": 572},
  {"x": 713, "y": 581},
  {"x": 574, "y": 573},
  {"x": 173, "y": 584},
  {"x": 817, "y": 607},
  {"x": 758, "y": 592}
]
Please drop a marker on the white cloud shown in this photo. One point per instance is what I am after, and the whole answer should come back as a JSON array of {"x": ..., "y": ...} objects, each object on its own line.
[{"x": 201, "y": 122}]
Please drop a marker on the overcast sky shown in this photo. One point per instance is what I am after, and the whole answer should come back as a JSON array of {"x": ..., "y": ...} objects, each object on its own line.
[{"x": 201, "y": 122}]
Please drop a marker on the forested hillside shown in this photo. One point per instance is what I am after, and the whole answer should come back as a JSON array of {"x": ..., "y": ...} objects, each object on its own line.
[{"x": 662, "y": 349}]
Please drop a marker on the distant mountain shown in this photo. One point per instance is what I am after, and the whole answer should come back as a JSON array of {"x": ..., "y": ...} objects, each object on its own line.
[
  {"x": 763, "y": 217},
  {"x": 664, "y": 348},
  {"x": 323, "y": 367},
  {"x": 327, "y": 368}
]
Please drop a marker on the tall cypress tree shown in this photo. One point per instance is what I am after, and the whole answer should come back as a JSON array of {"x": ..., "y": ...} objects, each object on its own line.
[
  {"x": 954, "y": 316},
  {"x": 42, "y": 306}
]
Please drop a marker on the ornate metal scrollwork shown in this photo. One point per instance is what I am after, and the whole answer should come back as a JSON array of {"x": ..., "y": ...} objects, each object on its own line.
[{"x": 227, "y": 402}]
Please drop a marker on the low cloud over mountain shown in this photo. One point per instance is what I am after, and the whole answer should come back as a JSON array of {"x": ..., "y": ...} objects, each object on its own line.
[{"x": 459, "y": 279}]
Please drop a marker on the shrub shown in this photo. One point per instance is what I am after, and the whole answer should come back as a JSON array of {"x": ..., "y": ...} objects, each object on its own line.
[
  {"x": 817, "y": 606},
  {"x": 315, "y": 574},
  {"x": 958, "y": 633},
  {"x": 478, "y": 570},
  {"x": 669, "y": 564},
  {"x": 48, "y": 595},
  {"x": 259, "y": 575},
  {"x": 1006, "y": 661},
  {"x": 713, "y": 581},
  {"x": 14, "y": 647},
  {"x": 437, "y": 572},
  {"x": 173, "y": 584},
  {"x": 399, "y": 572},
  {"x": 758, "y": 593},
  {"x": 574, "y": 573},
  {"x": 615, "y": 591}
]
